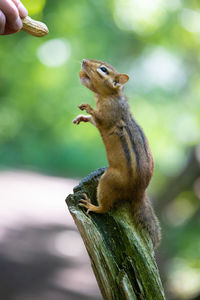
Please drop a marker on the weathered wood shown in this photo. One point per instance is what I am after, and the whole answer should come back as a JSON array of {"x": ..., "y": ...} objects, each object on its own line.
[{"x": 121, "y": 255}]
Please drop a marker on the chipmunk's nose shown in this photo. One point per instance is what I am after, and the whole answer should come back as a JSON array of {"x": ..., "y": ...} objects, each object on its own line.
[{"x": 84, "y": 62}]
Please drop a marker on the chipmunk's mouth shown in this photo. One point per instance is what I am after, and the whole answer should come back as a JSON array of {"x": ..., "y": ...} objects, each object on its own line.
[{"x": 84, "y": 77}]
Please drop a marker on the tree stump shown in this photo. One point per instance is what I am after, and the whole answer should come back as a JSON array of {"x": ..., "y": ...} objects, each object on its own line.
[{"x": 122, "y": 256}]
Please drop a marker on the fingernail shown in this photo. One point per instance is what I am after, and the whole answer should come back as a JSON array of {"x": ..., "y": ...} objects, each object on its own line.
[
  {"x": 18, "y": 24},
  {"x": 22, "y": 10}
]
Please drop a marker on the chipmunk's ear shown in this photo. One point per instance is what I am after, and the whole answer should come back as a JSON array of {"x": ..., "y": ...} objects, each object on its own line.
[{"x": 120, "y": 80}]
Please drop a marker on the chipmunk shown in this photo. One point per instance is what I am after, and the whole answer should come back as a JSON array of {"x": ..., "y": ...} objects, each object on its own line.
[{"x": 129, "y": 156}]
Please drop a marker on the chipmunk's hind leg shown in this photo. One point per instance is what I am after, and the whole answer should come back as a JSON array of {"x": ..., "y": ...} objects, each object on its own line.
[
  {"x": 103, "y": 207},
  {"x": 107, "y": 194}
]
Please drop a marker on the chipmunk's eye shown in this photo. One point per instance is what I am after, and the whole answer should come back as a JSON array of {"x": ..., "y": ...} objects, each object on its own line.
[{"x": 103, "y": 69}]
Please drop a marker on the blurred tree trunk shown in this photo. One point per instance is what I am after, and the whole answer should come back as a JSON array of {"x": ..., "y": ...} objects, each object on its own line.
[
  {"x": 122, "y": 258},
  {"x": 185, "y": 180}
]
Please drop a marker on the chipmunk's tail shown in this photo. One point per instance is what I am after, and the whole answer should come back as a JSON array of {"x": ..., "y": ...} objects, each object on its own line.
[{"x": 145, "y": 218}]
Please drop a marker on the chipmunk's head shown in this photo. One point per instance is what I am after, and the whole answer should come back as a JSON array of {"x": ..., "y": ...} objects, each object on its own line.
[{"x": 101, "y": 77}]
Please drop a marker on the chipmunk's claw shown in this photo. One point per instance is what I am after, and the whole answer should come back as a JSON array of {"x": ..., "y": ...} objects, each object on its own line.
[
  {"x": 86, "y": 197},
  {"x": 87, "y": 212},
  {"x": 85, "y": 202}
]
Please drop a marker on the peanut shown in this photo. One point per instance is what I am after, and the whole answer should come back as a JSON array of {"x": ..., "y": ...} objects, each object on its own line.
[{"x": 34, "y": 27}]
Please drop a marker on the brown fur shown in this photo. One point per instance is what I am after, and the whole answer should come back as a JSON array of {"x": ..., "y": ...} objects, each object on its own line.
[{"x": 129, "y": 156}]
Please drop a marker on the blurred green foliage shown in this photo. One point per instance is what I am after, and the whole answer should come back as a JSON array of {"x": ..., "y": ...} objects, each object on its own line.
[
  {"x": 155, "y": 42},
  {"x": 40, "y": 89}
]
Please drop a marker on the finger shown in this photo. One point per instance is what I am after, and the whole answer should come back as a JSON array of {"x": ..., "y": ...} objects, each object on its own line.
[
  {"x": 22, "y": 10},
  {"x": 10, "y": 10},
  {"x": 2, "y": 22},
  {"x": 8, "y": 30}
]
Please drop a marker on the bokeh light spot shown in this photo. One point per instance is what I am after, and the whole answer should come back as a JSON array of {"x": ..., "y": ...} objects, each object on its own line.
[
  {"x": 54, "y": 53},
  {"x": 159, "y": 68},
  {"x": 190, "y": 20},
  {"x": 34, "y": 7},
  {"x": 181, "y": 272},
  {"x": 142, "y": 16},
  {"x": 69, "y": 243}
]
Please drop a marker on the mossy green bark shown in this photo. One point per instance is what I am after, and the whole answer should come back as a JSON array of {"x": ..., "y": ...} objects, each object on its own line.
[{"x": 121, "y": 255}]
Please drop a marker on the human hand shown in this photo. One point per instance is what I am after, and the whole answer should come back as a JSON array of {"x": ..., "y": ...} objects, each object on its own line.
[{"x": 11, "y": 12}]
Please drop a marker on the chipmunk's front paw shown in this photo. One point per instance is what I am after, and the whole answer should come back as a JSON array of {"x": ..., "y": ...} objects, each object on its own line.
[
  {"x": 81, "y": 118},
  {"x": 85, "y": 202},
  {"x": 85, "y": 107}
]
